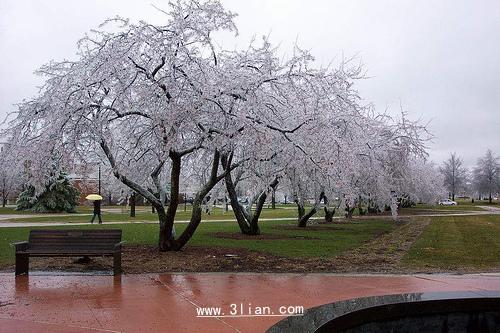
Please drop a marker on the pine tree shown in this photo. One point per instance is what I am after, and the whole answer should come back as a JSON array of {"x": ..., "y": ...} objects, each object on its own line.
[{"x": 58, "y": 196}]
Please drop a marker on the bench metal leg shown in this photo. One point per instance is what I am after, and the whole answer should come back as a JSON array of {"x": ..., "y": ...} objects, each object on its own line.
[
  {"x": 22, "y": 263},
  {"x": 117, "y": 263}
]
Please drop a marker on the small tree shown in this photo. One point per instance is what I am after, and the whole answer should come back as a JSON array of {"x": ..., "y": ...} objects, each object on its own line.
[
  {"x": 487, "y": 174},
  {"x": 454, "y": 173},
  {"x": 57, "y": 196}
]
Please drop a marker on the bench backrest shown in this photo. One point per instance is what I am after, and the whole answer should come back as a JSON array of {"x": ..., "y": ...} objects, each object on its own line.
[{"x": 77, "y": 239}]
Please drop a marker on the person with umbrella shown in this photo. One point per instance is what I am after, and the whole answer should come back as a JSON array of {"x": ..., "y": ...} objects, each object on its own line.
[{"x": 96, "y": 198}]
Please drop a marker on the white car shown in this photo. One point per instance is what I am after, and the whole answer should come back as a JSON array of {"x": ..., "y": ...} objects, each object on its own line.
[{"x": 447, "y": 202}]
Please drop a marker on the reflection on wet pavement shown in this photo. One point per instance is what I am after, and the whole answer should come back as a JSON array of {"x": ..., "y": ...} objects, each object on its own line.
[{"x": 51, "y": 302}]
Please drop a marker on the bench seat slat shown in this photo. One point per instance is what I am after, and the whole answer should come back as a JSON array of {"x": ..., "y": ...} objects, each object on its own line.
[{"x": 63, "y": 252}]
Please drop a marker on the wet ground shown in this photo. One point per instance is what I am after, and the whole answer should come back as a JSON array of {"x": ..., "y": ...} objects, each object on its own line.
[{"x": 51, "y": 302}]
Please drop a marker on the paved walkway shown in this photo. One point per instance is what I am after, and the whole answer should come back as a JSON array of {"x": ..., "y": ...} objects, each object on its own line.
[
  {"x": 168, "y": 302},
  {"x": 8, "y": 222}
]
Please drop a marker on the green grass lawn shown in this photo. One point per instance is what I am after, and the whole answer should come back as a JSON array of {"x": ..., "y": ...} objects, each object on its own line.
[
  {"x": 10, "y": 211},
  {"x": 456, "y": 242},
  {"x": 325, "y": 243},
  {"x": 146, "y": 215},
  {"x": 122, "y": 214}
]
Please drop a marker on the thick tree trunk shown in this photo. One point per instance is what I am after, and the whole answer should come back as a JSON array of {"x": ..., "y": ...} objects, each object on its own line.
[
  {"x": 329, "y": 213},
  {"x": 193, "y": 224},
  {"x": 195, "y": 220},
  {"x": 166, "y": 239},
  {"x": 167, "y": 242},
  {"x": 304, "y": 217},
  {"x": 238, "y": 210},
  {"x": 247, "y": 220},
  {"x": 349, "y": 211},
  {"x": 301, "y": 211},
  {"x": 254, "y": 217}
]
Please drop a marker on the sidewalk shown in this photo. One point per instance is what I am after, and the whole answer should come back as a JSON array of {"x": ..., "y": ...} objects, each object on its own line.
[
  {"x": 168, "y": 302},
  {"x": 7, "y": 223},
  {"x": 4, "y": 224}
]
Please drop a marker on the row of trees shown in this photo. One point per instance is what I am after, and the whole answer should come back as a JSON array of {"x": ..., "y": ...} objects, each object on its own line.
[
  {"x": 483, "y": 180},
  {"x": 164, "y": 107}
]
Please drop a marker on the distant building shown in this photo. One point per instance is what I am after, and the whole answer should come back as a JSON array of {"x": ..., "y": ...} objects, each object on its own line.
[{"x": 86, "y": 179}]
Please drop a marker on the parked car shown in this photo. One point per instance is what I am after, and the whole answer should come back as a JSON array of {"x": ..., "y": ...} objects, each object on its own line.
[{"x": 447, "y": 202}]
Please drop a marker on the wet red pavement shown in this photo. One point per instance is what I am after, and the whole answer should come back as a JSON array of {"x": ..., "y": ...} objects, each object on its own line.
[{"x": 168, "y": 302}]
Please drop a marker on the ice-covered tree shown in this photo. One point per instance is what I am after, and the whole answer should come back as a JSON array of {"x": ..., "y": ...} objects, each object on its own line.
[
  {"x": 455, "y": 174},
  {"x": 487, "y": 174},
  {"x": 148, "y": 100},
  {"x": 12, "y": 176},
  {"x": 57, "y": 195}
]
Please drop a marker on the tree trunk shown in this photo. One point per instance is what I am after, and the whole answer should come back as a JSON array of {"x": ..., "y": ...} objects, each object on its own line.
[
  {"x": 349, "y": 211},
  {"x": 254, "y": 218},
  {"x": 193, "y": 224},
  {"x": 304, "y": 217},
  {"x": 273, "y": 199},
  {"x": 132, "y": 204},
  {"x": 302, "y": 220},
  {"x": 167, "y": 242},
  {"x": 238, "y": 210},
  {"x": 166, "y": 239},
  {"x": 360, "y": 208},
  {"x": 195, "y": 220},
  {"x": 248, "y": 221},
  {"x": 329, "y": 213}
]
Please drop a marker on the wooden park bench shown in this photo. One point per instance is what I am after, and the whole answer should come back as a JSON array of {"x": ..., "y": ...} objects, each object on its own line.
[{"x": 70, "y": 243}]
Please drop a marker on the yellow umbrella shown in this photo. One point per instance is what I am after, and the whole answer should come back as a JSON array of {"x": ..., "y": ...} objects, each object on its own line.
[{"x": 93, "y": 197}]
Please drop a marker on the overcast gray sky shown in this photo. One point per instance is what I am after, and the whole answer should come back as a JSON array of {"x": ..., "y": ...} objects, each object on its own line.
[{"x": 440, "y": 60}]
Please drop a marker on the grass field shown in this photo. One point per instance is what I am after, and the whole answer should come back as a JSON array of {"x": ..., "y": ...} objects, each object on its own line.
[
  {"x": 448, "y": 243},
  {"x": 143, "y": 213},
  {"x": 322, "y": 243},
  {"x": 458, "y": 242},
  {"x": 121, "y": 214}
]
